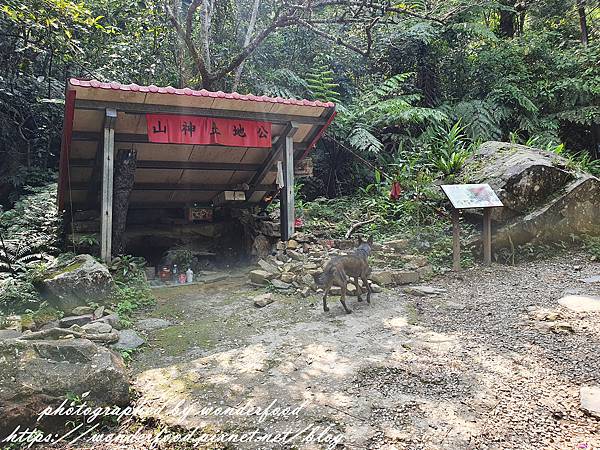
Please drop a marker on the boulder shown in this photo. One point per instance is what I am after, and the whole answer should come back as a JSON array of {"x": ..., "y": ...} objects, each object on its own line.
[
  {"x": 399, "y": 245},
  {"x": 278, "y": 284},
  {"x": 77, "y": 282},
  {"x": 97, "y": 328},
  {"x": 82, "y": 310},
  {"x": 268, "y": 267},
  {"x": 581, "y": 303},
  {"x": 260, "y": 276},
  {"x": 152, "y": 324},
  {"x": 287, "y": 277},
  {"x": 37, "y": 374},
  {"x": 112, "y": 320},
  {"x": 260, "y": 301},
  {"x": 66, "y": 322},
  {"x": 544, "y": 199},
  {"x": 589, "y": 400},
  {"x": 382, "y": 277},
  {"x": 405, "y": 276},
  {"x": 9, "y": 334},
  {"x": 128, "y": 340}
]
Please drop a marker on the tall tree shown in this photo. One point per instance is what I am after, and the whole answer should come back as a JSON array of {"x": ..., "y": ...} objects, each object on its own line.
[{"x": 583, "y": 22}]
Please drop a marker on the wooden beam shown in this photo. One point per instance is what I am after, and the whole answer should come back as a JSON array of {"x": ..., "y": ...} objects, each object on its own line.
[
  {"x": 275, "y": 154},
  {"x": 169, "y": 205},
  {"x": 487, "y": 236},
  {"x": 143, "y": 108},
  {"x": 178, "y": 165},
  {"x": 107, "y": 184},
  {"x": 455, "y": 239},
  {"x": 92, "y": 136},
  {"x": 183, "y": 187},
  {"x": 301, "y": 152},
  {"x": 287, "y": 213}
]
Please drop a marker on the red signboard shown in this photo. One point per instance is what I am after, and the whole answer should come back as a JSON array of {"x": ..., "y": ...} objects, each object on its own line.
[{"x": 176, "y": 129}]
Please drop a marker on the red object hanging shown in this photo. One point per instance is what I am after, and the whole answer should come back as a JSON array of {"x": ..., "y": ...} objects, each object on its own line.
[
  {"x": 396, "y": 190},
  {"x": 179, "y": 129}
]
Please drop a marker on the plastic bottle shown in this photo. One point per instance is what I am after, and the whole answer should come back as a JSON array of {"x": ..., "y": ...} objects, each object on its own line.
[{"x": 189, "y": 275}]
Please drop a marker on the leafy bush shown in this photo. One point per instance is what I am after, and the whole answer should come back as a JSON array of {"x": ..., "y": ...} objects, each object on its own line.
[
  {"x": 30, "y": 231},
  {"x": 592, "y": 245},
  {"x": 18, "y": 294},
  {"x": 447, "y": 148},
  {"x": 129, "y": 297},
  {"x": 126, "y": 267}
]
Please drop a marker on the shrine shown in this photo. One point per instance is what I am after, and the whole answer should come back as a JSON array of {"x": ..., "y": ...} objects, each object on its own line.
[{"x": 132, "y": 155}]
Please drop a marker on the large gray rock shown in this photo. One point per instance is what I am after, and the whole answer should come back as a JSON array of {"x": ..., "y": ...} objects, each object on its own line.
[
  {"x": 128, "y": 340},
  {"x": 37, "y": 374},
  {"x": 544, "y": 199},
  {"x": 79, "y": 281},
  {"x": 589, "y": 398},
  {"x": 152, "y": 324}
]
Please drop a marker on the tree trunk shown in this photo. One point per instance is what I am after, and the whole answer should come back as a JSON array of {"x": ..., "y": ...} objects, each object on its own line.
[
  {"x": 507, "y": 21},
  {"x": 125, "y": 164},
  {"x": 583, "y": 22},
  {"x": 249, "y": 33}
]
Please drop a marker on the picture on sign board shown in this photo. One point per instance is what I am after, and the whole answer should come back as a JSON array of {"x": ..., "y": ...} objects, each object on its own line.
[{"x": 465, "y": 196}]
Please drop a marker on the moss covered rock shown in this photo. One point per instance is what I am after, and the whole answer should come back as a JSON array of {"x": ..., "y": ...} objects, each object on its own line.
[
  {"x": 38, "y": 374},
  {"x": 77, "y": 282},
  {"x": 545, "y": 198}
]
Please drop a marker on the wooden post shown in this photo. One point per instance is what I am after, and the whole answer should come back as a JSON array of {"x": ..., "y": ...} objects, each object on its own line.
[
  {"x": 487, "y": 236},
  {"x": 107, "y": 184},
  {"x": 287, "y": 193},
  {"x": 455, "y": 240}
]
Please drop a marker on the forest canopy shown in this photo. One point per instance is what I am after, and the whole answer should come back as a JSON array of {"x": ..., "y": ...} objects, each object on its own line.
[{"x": 413, "y": 81}]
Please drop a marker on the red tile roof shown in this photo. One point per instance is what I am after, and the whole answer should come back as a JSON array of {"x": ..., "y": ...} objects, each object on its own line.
[{"x": 201, "y": 93}]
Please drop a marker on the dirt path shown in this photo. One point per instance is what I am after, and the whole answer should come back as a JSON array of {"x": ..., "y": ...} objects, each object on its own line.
[{"x": 467, "y": 369}]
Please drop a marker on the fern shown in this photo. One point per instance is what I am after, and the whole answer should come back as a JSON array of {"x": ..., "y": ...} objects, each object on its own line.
[
  {"x": 482, "y": 119},
  {"x": 20, "y": 255},
  {"x": 283, "y": 83},
  {"x": 321, "y": 84},
  {"x": 362, "y": 123},
  {"x": 363, "y": 140}
]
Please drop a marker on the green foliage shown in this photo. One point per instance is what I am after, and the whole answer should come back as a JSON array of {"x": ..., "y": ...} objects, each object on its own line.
[
  {"x": 592, "y": 246},
  {"x": 384, "y": 105},
  {"x": 126, "y": 267},
  {"x": 29, "y": 239},
  {"x": 447, "y": 149},
  {"x": 321, "y": 85},
  {"x": 182, "y": 256},
  {"x": 34, "y": 218},
  {"x": 18, "y": 255},
  {"x": 130, "y": 297},
  {"x": 18, "y": 294}
]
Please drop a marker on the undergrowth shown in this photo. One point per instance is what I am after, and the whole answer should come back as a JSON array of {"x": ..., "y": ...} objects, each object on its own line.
[{"x": 132, "y": 290}]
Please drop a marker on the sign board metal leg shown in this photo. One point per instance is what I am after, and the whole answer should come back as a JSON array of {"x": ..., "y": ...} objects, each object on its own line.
[
  {"x": 107, "y": 185},
  {"x": 487, "y": 236},
  {"x": 455, "y": 240}
]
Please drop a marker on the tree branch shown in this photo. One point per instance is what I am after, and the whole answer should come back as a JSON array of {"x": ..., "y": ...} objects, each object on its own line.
[
  {"x": 279, "y": 22},
  {"x": 338, "y": 40},
  {"x": 183, "y": 34}
]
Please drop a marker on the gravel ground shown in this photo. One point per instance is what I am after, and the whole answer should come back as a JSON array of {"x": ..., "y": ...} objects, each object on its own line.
[
  {"x": 505, "y": 380},
  {"x": 479, "y": 366}
]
